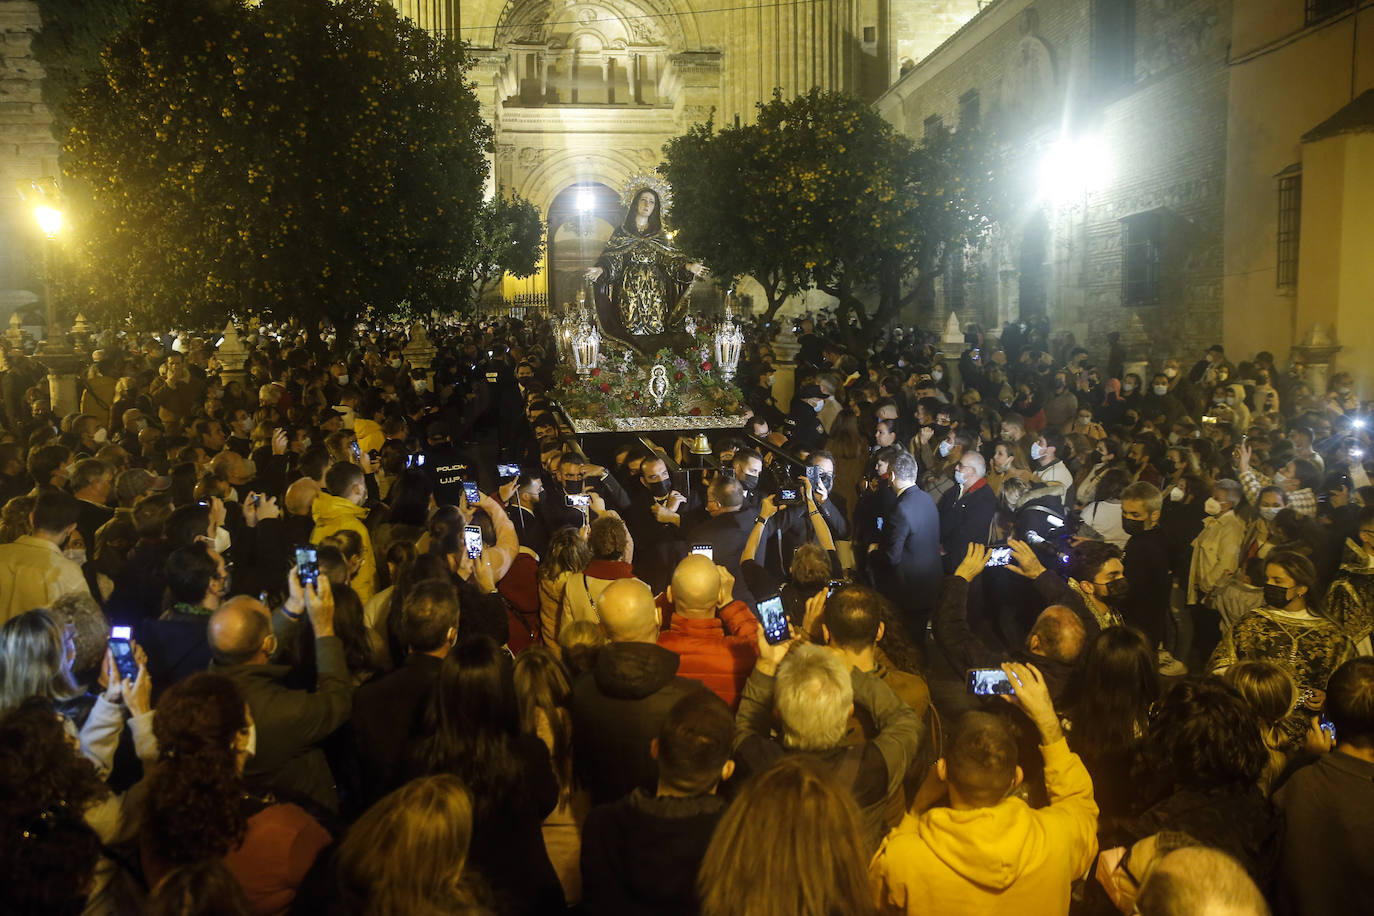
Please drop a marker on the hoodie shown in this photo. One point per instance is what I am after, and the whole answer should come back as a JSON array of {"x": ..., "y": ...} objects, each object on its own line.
[
  {"x": 618, "y": 708},
  {"x": 334, "y": 513},
  {"x": 1009, "y": 858}
]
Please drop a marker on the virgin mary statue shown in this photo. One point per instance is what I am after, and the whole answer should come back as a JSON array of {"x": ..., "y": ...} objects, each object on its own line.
[{"x": 640, "y": 278}]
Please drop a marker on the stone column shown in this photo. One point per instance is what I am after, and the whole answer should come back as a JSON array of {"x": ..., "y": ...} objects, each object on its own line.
[
  {"x": 420, "y": 351},
  {"x": 233, "y": 356},
  {"x": 1317, "y": 351},
  {"x": 953, "y": 347}
]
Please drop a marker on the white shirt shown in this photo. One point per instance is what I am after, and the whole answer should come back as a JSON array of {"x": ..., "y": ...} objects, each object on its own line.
[{"x": 34, "y": 574}]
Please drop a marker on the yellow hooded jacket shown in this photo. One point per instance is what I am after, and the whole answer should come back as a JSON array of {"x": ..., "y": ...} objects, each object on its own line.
[
  {"x": 334, "y": 513},
  {"x": 1009, "y": 858}
]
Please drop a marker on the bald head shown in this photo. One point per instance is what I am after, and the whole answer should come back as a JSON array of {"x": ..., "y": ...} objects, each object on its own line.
[
  {"x": 1198, "y": 881},
  {"x": 1058, "y": 634},
  {"x": 628, "y": 612},
  {"x": 696, "y": 587},
  {"x": 239, "y": 632},
  {"x": 301, "y": 495}
]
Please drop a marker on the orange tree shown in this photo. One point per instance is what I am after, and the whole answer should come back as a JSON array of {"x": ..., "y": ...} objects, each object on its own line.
[
  {"x": 310, "y": 158},
  {"x": 821, "y": 191}
]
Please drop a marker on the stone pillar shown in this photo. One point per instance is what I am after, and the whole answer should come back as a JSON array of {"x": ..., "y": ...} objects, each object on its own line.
[
  {"x": 233, "y": 356},
  {"x": 420, "y": 351},
  {"x": 1317, "y": 351},
  {"x": 785, "y": 349},
  {"x": 62, "y": 371},
  {"x": 953, "y": 344},
  {"x": 81, "y": 334},
  {"x": 15, "y": 335}
]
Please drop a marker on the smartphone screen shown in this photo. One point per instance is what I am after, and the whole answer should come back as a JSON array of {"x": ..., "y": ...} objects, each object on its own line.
[
  {"x": 123, "y": 652},
  {"x": 472, "y": 539},
  {"x": 579, "y": 500},
  {"x": 307, "y": 564},
  {"x": 998, "y": 556},
  {"x": 357, "y": 452},
  {"x": 880, "y": 523},
  {"x": 1328, "y": 727},
  {"x": 470, "y": 493},
  {"x": 774, "y": 620},
  {"x": 788, "y": 495},
  {"x": 507, "y": 471},
  {"x": 989, "y": 682},
  {"x": 706, "y": 550}
]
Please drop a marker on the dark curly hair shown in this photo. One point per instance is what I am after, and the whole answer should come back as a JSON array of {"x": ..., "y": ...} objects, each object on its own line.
[
  {"x": 195, "y": 809},
  {"x": 1205, "y": 737},
  {"x": 47, "y": 852}
]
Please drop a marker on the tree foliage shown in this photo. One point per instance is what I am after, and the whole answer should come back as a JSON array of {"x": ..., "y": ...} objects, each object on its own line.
[
  {"x": 821, "y": 191},
  {"x": 508, "y": 239},
  {"x": 303, "y": 157}
]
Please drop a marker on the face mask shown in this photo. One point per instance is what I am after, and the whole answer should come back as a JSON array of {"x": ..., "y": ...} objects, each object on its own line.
[
  {"x": 251, "y": 749},
  {"x": 69, "y": 469},
  {"x": 660, "y": 488},
  {"x": 945, "y": 448},
  {"x": 1036, "y": 452},
  {"x": 1160, "y": 390},
  {"x": 937, "y": 375},
  {"x": 222, "y": 540},
  {"x": 1170, "y": 372},
  {"x": 1279, "y": 478},
  {"x": 1275, "y": 596},
  {"x": 1132, "y": 526},
  {"x": 750, "y": 481},
  {"x": 1117, "y": 590},
  {"x": 819, "y": 406},
  {"x": 1268, "y": 512},
  {"x": 1231, "y": 400},
  {"x": 421, "y": 386},
  {"x": 76, "y": 556},
  {"x": 1176, "y": 495},
  {"x": 246, "y": 427},
  {"x": 395, "y": 364},
  {"x": 573, "y": 487},
  {"x": 101, "y": 435},
  {"x": 960, "y": 478},
  {"x": 1211, "y": 506},
  {"x": 1128, "y": 387},
  {"x": 342, "y": 379}
]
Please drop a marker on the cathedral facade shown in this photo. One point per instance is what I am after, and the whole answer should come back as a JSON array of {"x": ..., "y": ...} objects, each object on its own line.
[{"x": 583, "y": 94}]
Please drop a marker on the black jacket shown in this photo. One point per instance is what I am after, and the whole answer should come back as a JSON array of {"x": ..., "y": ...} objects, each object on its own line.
[
  {"x": 1147, "y": 569},
  {"x": 640, "y": 855},
  {"x": 907, "y": 562},
  {"x": 1328, "y": 810},
  {"x": 965, "y": 519},
  {"x": 177, "y": 647},
  {"x": 388, "y": 715},
  {"x": 617, "y": 710}
]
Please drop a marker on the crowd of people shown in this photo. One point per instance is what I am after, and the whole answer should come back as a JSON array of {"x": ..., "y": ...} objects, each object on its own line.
[{"x": 1019, "y": 629}]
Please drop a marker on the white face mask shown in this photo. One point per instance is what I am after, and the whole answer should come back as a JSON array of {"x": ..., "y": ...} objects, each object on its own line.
[
  {"x": 101, "y": 435},
  {"x": 1176, "y": 495},
  {"x": 76, "y": 556},
  {"x": 1036, "y": 452},
  {"x": 945, "y": 448},
  {"x": 251, "y": 749},
  {"x": 222, "y": 540},
  {"x": 1170, "y": 372},
  {"x": 1211, "y": 507},
  {"x": 819, "y": 406},
  {"x": 343, "y": 379},
  {"x": 1279, "y": 478},
  {"x": 395, "y": 364},
  {"x": 1128, "y": 387},
  {"x": 959, "y": 477},
  {"x": 1161, "y": 390},
  {"x": 937, "y": 375},
  {"x": 1268, "y": 512}
]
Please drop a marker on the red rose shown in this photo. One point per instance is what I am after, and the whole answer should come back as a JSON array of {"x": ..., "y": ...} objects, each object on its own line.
[
  {"x": 695, "y": 411},
  {"x": 678, "y": 376},
  {"x": 605, "y": 388},
  {"x": 705, "y": 367},
  {"x": 567, "y": 379},
  {"x": 596, "y": 372}
]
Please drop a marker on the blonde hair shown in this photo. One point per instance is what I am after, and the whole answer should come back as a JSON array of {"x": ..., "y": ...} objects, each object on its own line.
[
  {"x": 35, "y": 660},
  {"x": 407, "y": 853},
  {"x": 790, "y": 845},
  {"x": 541, "y": 685},
  {"x": 581, "y": 641},
  {"x": 1271, "y": 692}
]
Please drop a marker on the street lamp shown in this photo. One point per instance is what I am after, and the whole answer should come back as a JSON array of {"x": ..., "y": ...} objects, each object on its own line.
[{"x": 43, "y": 194}]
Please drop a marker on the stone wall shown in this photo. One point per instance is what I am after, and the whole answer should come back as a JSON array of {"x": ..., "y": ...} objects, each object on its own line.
[
  {"x": 27, "y": 150},
  {"x": 1162, "y": 140}
]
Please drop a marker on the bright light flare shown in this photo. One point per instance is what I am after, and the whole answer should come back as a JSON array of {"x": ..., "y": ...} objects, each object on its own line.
[
  {"x": 586, "y": 200},
  {"x": 1073, "y": 167},
  {"x": 49, "y": 220}
]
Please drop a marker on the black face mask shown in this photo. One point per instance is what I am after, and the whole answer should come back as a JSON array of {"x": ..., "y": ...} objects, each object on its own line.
[
  {"x": 1275, "y": 596},
  {"x": 660, "y": 488},
  {"x": 573, "y": 487},
  {"x": 1132, "y": 526},
  {"x": 750, "y": 481},
  {"x": 1117, "y": 590}
]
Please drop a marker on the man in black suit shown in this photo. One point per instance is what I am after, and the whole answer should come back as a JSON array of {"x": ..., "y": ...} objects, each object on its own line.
[
  {"x": 575, "y": 476},
  {"x": 655, "y": 522},
  {"x": 388, "y": 712},
  {"x": 906, "y": 559},
  {"x": 793, "y": 521},
  {"x": 726, "y": 528},
  {"x": 966, "y": 509}
]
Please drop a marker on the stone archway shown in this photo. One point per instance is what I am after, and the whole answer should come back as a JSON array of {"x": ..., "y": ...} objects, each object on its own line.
[{"x": 580, "y": 220}]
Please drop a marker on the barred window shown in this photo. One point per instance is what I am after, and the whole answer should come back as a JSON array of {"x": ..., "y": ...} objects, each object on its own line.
[
  {"x": 1290, "y": 225},
  {"x": 1317, "y": 10},
  {"x": 1141, "y": 244}
]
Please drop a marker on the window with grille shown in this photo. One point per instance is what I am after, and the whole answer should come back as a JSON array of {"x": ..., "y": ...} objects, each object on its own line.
[
  {"x": 933, "y": 125},
  {"x": 1317, "y": 10},
  {"x": 1141, "y": 244},
  {"x": 1290, "y": 224},
  {"x": 969, "y": 109}
]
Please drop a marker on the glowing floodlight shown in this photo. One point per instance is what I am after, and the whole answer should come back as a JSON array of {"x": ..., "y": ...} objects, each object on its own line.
[
  {"x": 1073, "y": 167},
  {"x": 586, "y": 200}
]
